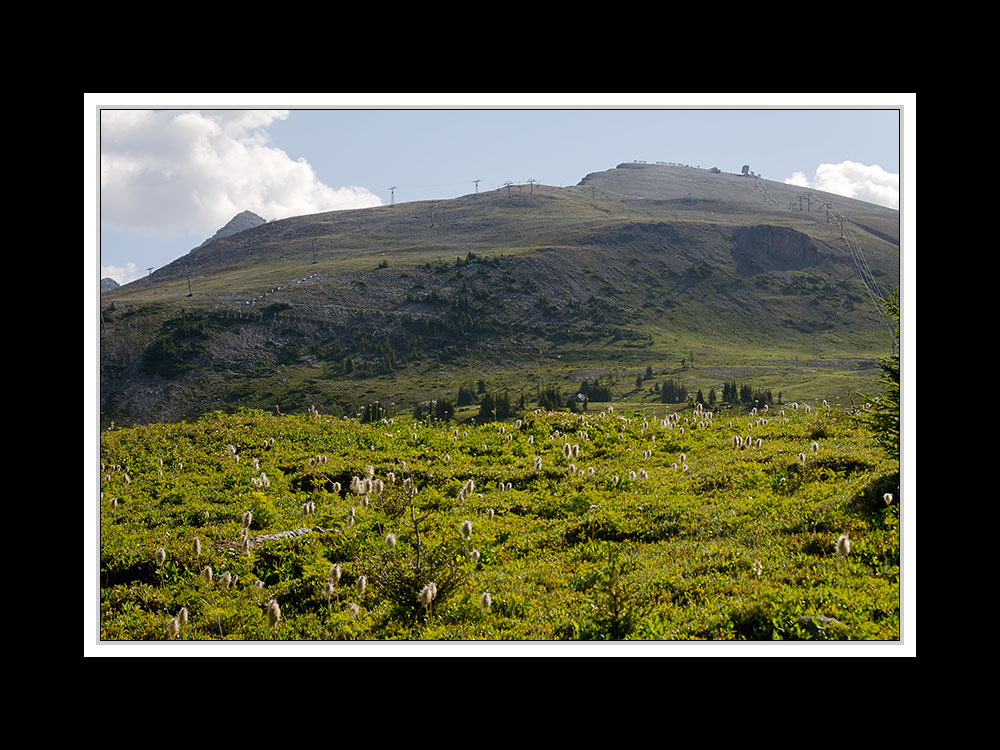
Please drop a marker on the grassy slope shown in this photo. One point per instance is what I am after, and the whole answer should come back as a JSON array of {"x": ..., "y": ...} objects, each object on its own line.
[
  {"x": 741, "y": 546},
  {"x": 772, "y": 330}
]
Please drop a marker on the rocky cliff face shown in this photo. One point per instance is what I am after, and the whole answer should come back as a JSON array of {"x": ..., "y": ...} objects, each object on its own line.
[
  {"x": 108, "y": 285},
  {"x": 758, "y": 249}
]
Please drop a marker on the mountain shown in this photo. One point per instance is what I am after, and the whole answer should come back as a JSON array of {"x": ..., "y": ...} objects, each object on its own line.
[
  {"x": 108, "y": 284},
  {"x": 702, "y": 276},
  {"x": 239, "y": 223}
]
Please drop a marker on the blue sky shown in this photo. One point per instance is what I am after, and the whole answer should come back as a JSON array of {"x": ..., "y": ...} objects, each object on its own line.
[{"x": 172, "y": 169}]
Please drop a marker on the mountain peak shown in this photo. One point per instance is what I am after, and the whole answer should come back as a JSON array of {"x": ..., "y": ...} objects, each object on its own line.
[{"x": 239, "y": 223}]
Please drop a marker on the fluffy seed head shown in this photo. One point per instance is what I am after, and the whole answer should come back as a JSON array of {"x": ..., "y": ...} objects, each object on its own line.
[
  {"x": 466, "y": 530},
  {"x": 390, "y": 541},
  {"x": 160, "y": 556},
  {"x": 485, "y": 601},
  {"x": 843, "y": 545},
  {"x": 273, "y": 613},
  {"x": 427, "y": 594},
  {"x": 206, "y": 574}
]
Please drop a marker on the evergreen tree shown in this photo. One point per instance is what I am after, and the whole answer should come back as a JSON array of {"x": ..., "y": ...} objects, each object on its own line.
[
  {"x": 672, "y": 392},
  {"x": 444, "y": 410},
  {"x": 494, "y": 407},
  {"x": 465, "y": 396},
  {"x": 595, "y": 391},
  {"x": 883, "y": 416},
  {"x": 550, "y": 398}
]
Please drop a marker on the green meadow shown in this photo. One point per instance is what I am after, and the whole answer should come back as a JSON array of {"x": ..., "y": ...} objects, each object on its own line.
[{"x": 609, "y": 524}]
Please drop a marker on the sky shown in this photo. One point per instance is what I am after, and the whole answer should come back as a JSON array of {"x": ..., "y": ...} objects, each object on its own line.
[{"x": 168, "y": 170}]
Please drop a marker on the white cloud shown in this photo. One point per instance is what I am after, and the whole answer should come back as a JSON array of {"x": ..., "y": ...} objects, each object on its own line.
[
  {"x": 123, "y": 274},
  {"x": 172, "y": 171},
  {"x": 853, "y": 180}
]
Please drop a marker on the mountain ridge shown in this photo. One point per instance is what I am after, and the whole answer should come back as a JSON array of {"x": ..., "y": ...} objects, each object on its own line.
[{"x": 638, "y": 262}]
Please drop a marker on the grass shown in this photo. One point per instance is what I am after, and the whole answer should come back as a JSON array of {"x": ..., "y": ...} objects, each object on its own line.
[{"x": 739, "y": 546}]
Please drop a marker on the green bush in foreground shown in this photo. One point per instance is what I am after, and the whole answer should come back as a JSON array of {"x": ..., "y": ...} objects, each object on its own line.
[{"x": 558, "y": 526}]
